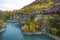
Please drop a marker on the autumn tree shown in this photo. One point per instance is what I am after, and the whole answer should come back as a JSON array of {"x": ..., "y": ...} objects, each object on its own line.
[
  {"x": 53, "y": 31},
  {"x": 1, "y": 24}
]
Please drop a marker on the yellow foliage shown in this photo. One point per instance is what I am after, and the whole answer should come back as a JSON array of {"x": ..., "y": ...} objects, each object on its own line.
[
  {"x": 46, "y": 17},
  {"x": 31, "y": 8},
  {"x": 32, "y": 29},
  {"x": 48, "y": 5},
  {"x": 33, "y": 26},
  {"x": 36, "y": 7},
  {"x": 37, "y": 26},
  {"x": 38, "y": 0},
  {"x": 54, "y": 31},
  {"x": 1, "y": 24},
  {"x": 49, "y": 1},
  {"x": 51, "y": 17},
  {"x": 25, "y": 28}
]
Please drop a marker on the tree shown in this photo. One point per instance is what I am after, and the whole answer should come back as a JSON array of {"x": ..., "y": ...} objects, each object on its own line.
[
  {"x": 25, "y": 28},
  {"x": 1, "y": 24},
  {"x": 53, "y": 31},
  {"x": 31, "y": 28}
]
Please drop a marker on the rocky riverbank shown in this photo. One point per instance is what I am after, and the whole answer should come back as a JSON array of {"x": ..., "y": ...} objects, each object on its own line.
[
  {"x": 51, "y": 36},
  {"x": 1, "y": 30},
  {"x": 29, "y": 33},
  {"x": 54, "y": 37}
]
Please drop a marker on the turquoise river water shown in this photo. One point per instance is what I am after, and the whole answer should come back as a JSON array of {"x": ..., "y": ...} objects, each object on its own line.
[{"x": 13, "y": 32}]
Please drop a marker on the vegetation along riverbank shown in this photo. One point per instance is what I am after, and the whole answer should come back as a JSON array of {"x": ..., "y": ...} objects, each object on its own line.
[{"x": 39, "y": 17}]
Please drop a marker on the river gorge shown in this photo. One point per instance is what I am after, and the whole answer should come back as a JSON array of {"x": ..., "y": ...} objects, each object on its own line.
[{"x": 13, "y": 32}]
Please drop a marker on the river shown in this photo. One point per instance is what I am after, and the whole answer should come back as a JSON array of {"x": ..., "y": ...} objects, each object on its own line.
[{"x": 13, "y": 32}]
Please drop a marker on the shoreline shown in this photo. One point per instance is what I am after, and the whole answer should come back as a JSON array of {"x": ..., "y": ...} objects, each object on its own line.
[
  {"x": 29, "y": 33},
  {"x": 2, "y": 30},
  {"x": 53, "y": 37}
]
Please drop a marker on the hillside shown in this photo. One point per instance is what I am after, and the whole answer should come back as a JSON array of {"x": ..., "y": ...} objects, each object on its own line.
[{"x": 39, "y": 5}]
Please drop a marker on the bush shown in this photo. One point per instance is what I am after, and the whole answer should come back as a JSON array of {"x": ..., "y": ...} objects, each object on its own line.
[{"x": 1, "y": 24}]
